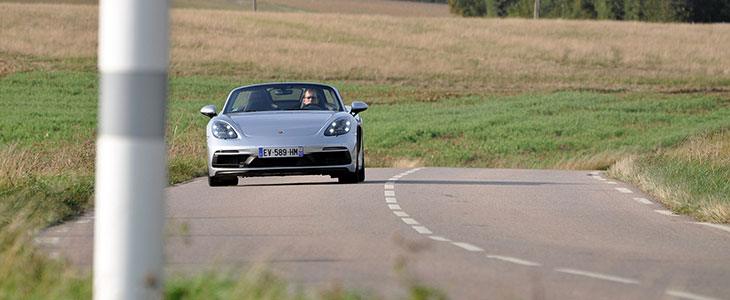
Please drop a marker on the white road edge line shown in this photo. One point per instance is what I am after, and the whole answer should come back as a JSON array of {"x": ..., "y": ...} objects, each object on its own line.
[
  {"x": 468, "y": 247},
  {"x": 394, "y": 206},
  {"x": 598, "y": 276},
  {"x": 400, "y": 213},
  {"x": 716, "y": 226},
  {"x": 611, "y": 182},
  {"x": 390, "y": 200},
  {"x": 514, "y": 260},
  {"x": 624, "y": 190},
  {"x": 422, "y": 230},
  {"x": 410, "y": 221},
  {"x": 643, "y": 200},
  {"x": 685, "y": 295},
  {"x": 439, "y": 238},
  {"x": 666, "y": 213}
]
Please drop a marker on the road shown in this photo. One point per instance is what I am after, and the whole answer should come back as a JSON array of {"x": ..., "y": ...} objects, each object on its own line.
[{"x": 472, "y": 233}]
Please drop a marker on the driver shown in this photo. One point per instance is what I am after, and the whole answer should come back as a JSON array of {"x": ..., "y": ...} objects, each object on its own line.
[{"x": 310, "y": 98}]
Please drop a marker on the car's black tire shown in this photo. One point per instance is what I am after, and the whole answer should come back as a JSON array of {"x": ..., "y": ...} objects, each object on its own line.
[
  {"x": 222, "y": 181},
  {"x": 361, "y": 163},
  {"x": 359, "y": 174}
]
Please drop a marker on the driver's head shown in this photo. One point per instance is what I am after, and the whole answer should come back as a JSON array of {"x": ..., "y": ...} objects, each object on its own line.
[{"x": 310, "y": 97}]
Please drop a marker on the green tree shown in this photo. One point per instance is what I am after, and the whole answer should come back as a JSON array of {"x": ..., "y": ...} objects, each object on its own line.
[{"x": 610, "y": 9}]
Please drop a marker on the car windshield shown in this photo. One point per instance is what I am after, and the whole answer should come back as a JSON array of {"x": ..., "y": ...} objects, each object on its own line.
[{"x": 282, "y": 97}]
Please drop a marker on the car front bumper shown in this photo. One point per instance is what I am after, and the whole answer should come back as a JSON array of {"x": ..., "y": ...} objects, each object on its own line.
[{"x": 328, "y": 156}]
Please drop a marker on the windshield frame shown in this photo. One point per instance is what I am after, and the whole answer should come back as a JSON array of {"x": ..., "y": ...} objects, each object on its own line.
[{"x": 231, "y": 99}]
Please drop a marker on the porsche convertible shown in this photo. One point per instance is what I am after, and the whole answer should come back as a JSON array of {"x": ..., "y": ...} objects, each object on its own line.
[{"x": 279, "y": 129}]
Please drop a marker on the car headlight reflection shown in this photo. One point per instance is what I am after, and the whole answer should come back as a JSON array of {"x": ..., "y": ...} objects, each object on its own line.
[
  {"x": 223, "y": 130},
  {"x": 338, "y": 127}
]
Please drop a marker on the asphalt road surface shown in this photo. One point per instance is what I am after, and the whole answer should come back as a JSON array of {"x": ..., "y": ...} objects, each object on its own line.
[{"x": 472, "y": 233}]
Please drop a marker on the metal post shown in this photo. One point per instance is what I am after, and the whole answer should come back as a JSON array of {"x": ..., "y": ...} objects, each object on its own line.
[
  {"x": 131, "y": 167},
  {"x": 537, "y": 9},
  {"x": 254, "y": 5}
]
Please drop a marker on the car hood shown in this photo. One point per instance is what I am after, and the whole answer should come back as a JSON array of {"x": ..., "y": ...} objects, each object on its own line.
[{"x": 295, "y": 123}]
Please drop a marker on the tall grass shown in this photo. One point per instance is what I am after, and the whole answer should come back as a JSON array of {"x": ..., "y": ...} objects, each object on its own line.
[
  {"x": 443, "y": 52},
  {"x": 691, "y": 179}
]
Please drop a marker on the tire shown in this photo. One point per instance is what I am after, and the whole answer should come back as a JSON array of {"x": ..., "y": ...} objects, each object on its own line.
[
  {"x": 361, "y": 163},
  {"x": 359, "y": 174},
  {"x": 222, "y": 181}
]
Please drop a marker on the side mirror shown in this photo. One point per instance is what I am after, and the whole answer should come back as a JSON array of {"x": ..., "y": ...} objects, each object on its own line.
[
  {"x": 209, "y": 111},
  {"x": 358, "y": 107}
]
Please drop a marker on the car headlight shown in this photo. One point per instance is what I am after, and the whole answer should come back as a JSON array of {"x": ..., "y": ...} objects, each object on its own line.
[
  {"x": 338, "y": 127},
  {"x": 223, "y": 130}
]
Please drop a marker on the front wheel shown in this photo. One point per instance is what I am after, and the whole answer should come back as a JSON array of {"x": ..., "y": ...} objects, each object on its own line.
[
  {"x": 359, "y": 174},
  {"x": 361, "y": 165}
]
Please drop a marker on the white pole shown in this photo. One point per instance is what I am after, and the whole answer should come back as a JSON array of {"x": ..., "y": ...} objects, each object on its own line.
[
  {"x": 537, "y": 9},
  {"x": 131, "y": 153}
]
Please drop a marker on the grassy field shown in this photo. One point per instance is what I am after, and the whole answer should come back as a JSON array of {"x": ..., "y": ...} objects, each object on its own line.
[
  {"x": 455, "y": 53},
  {"x": 443, "y": 91}
]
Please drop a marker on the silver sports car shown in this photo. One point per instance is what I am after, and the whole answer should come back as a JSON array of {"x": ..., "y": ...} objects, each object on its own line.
[{"x": 279, "y": 129}]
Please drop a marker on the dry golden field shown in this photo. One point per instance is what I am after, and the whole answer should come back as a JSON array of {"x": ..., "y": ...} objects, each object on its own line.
[
  {"x": 370, "y": 7},
  {"x": 444, "y": 52}
]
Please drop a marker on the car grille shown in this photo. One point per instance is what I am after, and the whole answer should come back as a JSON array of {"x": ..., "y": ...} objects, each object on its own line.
[{"x": 317, "y": 159}]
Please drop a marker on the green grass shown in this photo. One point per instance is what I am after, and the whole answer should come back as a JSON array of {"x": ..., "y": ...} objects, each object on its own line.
[{"x": 559, "y": 130}]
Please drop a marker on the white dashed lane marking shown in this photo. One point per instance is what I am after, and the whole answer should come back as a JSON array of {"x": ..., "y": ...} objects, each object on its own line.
[
  {"x": 666, "y": 213},
  {"x": 390, "y": 200},
  {"x": 388, "y": 186},
  {"x": 439, "y": 238},
  {"x": 422, "y": 230},
  {"x": 410, "y": 221},
  {"x": 400, "y": 213},
  {"x": 642, "y": 200},
  {"x": 468, "y": 247},
  {"x": 624, "y": 190},
  {"x": 598, "y": 276},
  {"x": 685, "y": 295},
  {"x": 389, "y": 193},
  {"x": 394, "y": 206},
  {"x": 514, "y": 260}
]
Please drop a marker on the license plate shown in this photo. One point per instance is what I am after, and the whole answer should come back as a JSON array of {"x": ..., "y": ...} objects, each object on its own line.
[{"x": 281, "y": 152}]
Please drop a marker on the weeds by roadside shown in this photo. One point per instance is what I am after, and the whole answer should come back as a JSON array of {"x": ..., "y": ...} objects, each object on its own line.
[{"x": 690, "y": 179}]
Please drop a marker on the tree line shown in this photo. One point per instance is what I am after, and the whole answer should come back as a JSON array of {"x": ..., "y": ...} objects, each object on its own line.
[{"x": 639, "y": 10}]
